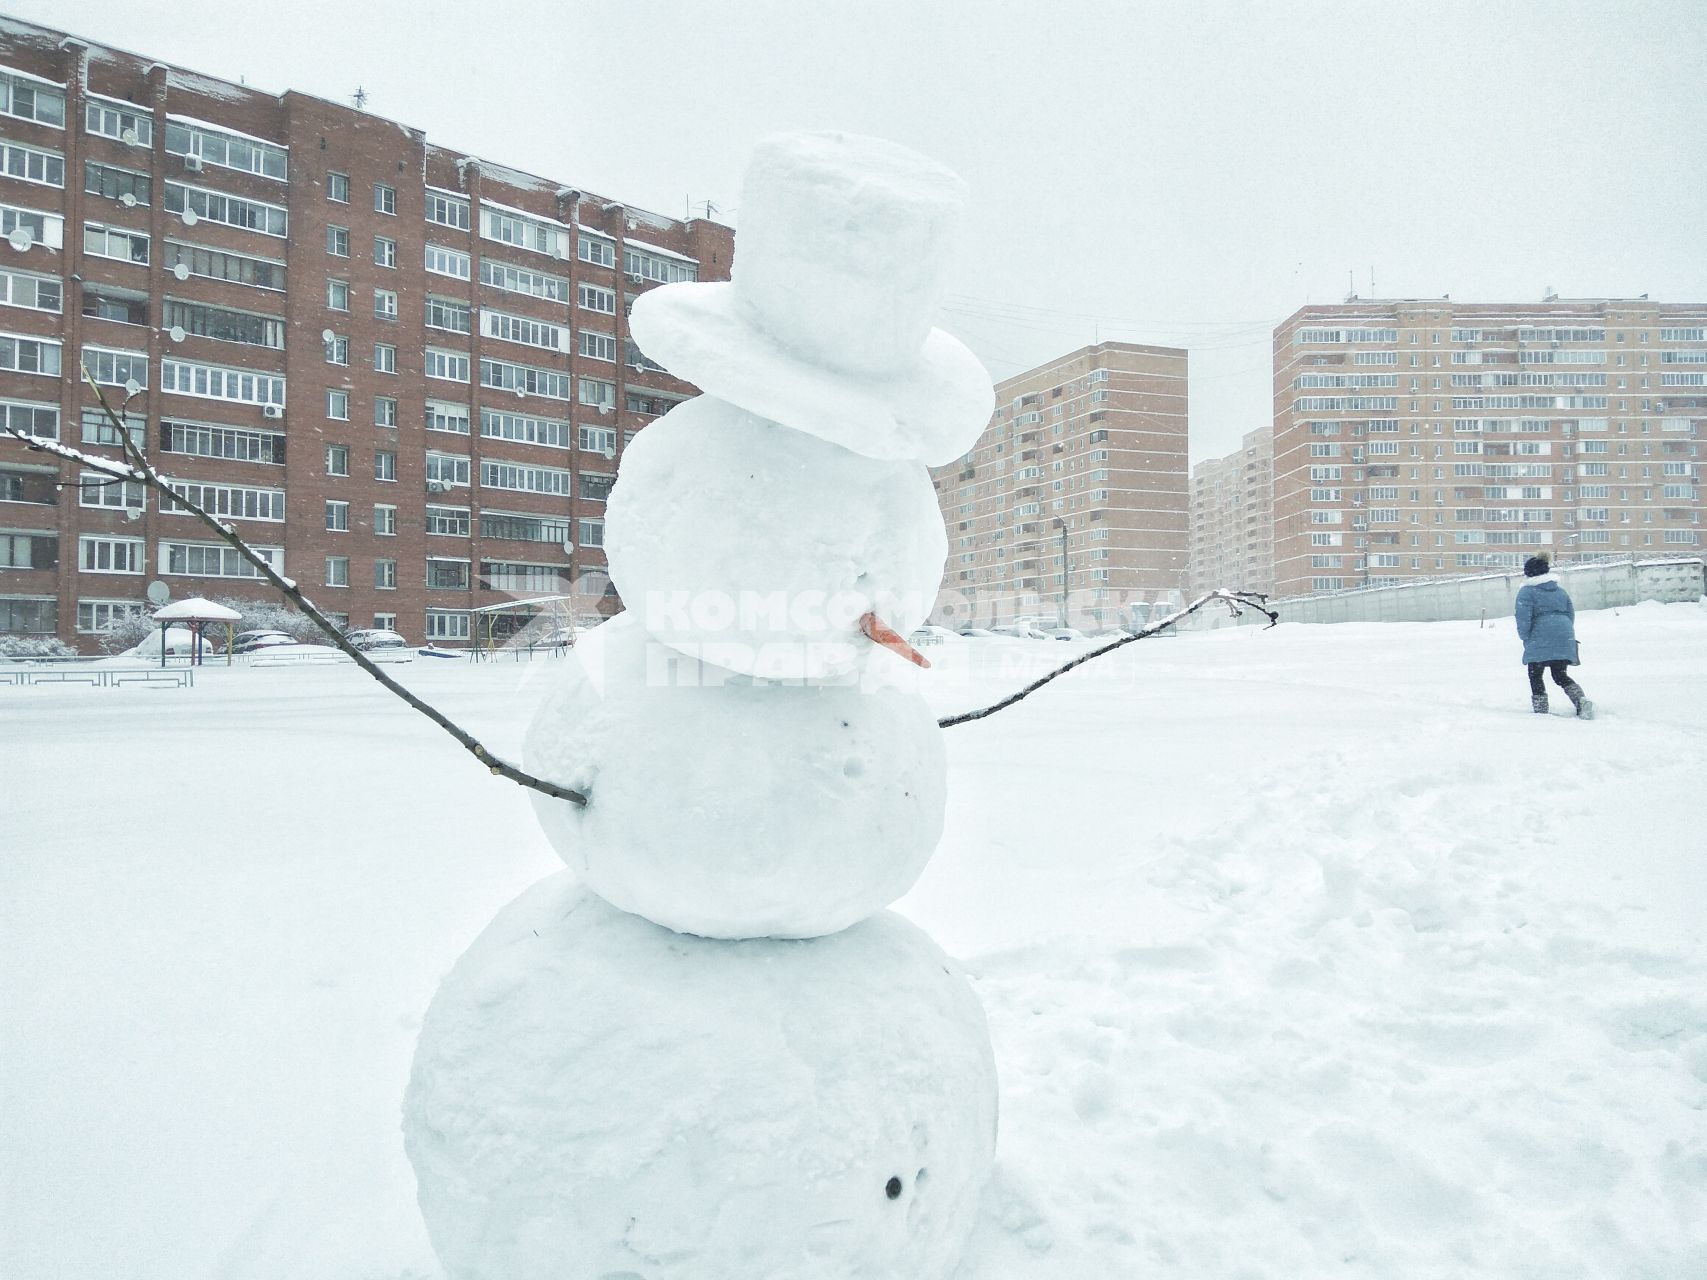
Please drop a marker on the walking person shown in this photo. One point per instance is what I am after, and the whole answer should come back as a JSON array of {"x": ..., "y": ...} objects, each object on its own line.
[{"x": 1546, "y": 623}]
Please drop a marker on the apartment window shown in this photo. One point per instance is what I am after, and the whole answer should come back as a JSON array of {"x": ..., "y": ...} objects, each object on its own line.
[
  {"x": 95, "y": 489},
  {"x": 599, "y": 439},
  {"x": 337, "y": 460},
  {"x": 115, "y": 183},
  {"x": 385, "y": 575},
  {"x": 524, "y": 428},
  {"x": 113, "y": 119},
  {"x": 233, "y": 211},
  {"x": 598, "y": 346},
  {"x": 384, "y": 358},
  {"x": 20, "y": 354},
  {"x": 337, "y": 517},
  {"x": 97, "y": 616},
  {"x": 217, "y": 382},
  {"x": 527, "y": 379},
  {"x": 449, "y": 522},
  {"x": 384, "y": 465},
  {"x": 337, "y": 571},
  {"x": 215, "y": 560},
  {"x": 592, "y": 533},
  {"x": 384, "y": 199},
  {"x": 32, "y": 100},
  {"x": 384, "y": 411},
  {"x": 448, "y": 469},
  {"x": 524, "y": 479},
  {"x": 31, "y": 418},
  {"x": 595, "y": 391},
  {"x": 447, "y": 575},
  {"x": 338, "y": 187},
  {"x": 524, "y": 232},
  {"x": 115, "y": 243},
  {"x": 203, "y": 440},
  {"x": 448, "y": 262},
  {"x": 385, "y": 520},
  {"x": 442, "y": 625},
  {"x": 638, "y": 263},
  {"x": 222, "y": 325},
  {"x": 338, "y": 405},
  {"x": 447, "y": 210},
  {"x": 237, "y": 502},
  {"x": 444, "y": 416},
  {"x": 384, "y": 252},
  {"x": 538, "y": 284},
  {"x": 385, "y": 304},
  {"x": 31, "y": 164},
  {"x": 533, "y": 333},
  {"x": 593, "y": 298},
  {"x": 338, "y": 295},
  {"x": 116, "y": 368},
  {"x": 593, "y": 486},
  {"x": 227, "y": 150},
  {"x": 598, "y": 251},
  {"x": 450, "y": 365},
  {"x": 447, "y": 314},
  {"x": 337, "y": 350},
  {"x": 30, "y": 292},
  {"x": 32, "y": 550},
  {"x": 122, "y": 306},
  {"x": 218, "y": 264},
  {"x": 338, "y": 241},
  {"x": 110, "y": 555}
]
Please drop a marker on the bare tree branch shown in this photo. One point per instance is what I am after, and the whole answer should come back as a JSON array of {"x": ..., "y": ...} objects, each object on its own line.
[
  {"x": 142, "y": 472},
  {"x": 1235, "y": 601}
]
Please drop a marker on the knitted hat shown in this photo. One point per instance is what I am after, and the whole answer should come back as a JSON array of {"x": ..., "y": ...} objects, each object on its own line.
[{"x": 1535, "y": 566}]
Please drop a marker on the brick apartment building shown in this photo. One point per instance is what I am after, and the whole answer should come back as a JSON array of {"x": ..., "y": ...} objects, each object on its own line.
[
  {"x": 1091, "y": 446},
  {"x": 1232, "y": 518},
  {"x": 1419, "y": 438},
  {"x": 402, "y": 371}
]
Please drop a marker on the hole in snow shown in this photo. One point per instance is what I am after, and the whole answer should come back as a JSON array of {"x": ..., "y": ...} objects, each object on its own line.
[{"x": 892, "y": 1189}]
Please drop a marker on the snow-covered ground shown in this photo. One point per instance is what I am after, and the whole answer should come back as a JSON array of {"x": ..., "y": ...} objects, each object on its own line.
[{"x": 1307, "y": 952}]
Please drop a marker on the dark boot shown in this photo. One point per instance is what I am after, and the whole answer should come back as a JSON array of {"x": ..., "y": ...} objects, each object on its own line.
[
  {"x": 1585, "y": 708},
  {"x": 1538, "y": 703}
]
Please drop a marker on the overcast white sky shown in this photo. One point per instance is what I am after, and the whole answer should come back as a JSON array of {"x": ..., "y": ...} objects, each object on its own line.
[{"x": 1187, "y": 173}]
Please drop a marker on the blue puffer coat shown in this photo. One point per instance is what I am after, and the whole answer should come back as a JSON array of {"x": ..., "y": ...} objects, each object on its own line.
[{"x": 1546, "y": 621}]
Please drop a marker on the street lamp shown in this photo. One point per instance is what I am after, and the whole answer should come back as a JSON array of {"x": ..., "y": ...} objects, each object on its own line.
[{"x": 1062, "y": 526}]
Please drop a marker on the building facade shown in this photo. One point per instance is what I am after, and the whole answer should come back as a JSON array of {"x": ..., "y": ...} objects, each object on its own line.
[
  {"x": 1232, "y": 518},
  {"x": 1420, "y": 438},
  {"x": 1074, "y": 499},
  {"x": 402, "y": 372}
]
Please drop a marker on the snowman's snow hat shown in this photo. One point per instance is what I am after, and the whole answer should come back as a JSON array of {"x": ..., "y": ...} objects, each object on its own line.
[{"x": 826, "y": 323}]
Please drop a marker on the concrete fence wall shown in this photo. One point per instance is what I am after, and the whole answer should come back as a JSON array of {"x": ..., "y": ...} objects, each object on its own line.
[{"x": 1592, "y": 586}]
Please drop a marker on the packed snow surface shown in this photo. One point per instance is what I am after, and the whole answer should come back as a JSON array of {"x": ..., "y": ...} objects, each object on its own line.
[
  {"x": 1307, "y": 953},
  {"x": 594, "y": 1096},
  {"x": 731, "y": 807},
  {"x": 758, "y": 547}
]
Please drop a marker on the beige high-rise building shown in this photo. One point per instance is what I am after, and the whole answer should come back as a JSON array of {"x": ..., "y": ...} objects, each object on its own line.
[
  {"x": 1232, "y": 518},
  {"x": 1422, "y": 438},
  {"x": 1075, "y": 497}
]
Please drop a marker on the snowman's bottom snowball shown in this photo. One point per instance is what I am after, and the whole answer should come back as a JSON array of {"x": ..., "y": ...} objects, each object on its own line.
[{"x": 594, "y": 1095}]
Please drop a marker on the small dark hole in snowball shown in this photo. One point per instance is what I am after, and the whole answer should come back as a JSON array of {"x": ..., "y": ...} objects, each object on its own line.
[{"x": 893, "y": 1189}]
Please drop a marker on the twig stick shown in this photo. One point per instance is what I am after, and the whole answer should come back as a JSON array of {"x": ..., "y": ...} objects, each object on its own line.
[
  {"x": 1235, "y": 600},
  {"x": 141, "y": 471}
]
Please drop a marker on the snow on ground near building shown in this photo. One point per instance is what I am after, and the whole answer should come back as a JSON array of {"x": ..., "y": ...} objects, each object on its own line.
[{"x": 1307, "y": 952}]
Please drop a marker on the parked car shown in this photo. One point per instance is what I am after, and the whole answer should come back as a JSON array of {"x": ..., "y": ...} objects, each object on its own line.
[
  {"x": 930, "y": 634},
  {"x": 977, "y": 633},
  {"x": 371, "y": 639},
  {"x": 249, "y": 641},
  {"x": 1065, "y": 633},
  {"x": 1020, "y": 631}
]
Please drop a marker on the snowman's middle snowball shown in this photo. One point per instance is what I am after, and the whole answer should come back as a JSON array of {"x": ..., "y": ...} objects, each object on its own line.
[
  {"x": 757, "y": 547},
  {"x": 731, "y": 807}
]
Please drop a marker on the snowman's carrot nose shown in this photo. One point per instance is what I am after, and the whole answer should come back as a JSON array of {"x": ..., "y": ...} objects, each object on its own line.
[{"x": 880, "y": 632}]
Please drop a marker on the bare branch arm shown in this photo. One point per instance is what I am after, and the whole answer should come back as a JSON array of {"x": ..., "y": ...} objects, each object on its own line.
[
  {"x": 142, "y": 472},
  {"x": 1235, "y": 601}
]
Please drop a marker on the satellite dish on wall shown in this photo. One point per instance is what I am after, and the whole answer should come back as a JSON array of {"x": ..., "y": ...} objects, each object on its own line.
[
  {"x": 176, "y": 333},
  {"x": 182, "y": 271},
  {"x": 190, "y": 217},
  {"x": 131, "y": 386},
  {"x": 128, "y": 200},
  {"x": 569, "y": 546},
  {"x": 326, "y": 335},
  {"x": 159, "y": 592},
  {"x": 20, "y": 238}
]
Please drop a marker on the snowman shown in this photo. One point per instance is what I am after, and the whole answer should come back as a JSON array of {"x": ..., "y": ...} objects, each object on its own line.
[{"x": 707, "y": 1050}]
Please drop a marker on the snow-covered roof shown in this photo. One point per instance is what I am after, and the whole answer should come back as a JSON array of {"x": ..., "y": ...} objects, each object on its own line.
[
  {"x": 196, "y": 609},
  {"x": 26, "y": 75},
  {"x": 523, "y": 213}
]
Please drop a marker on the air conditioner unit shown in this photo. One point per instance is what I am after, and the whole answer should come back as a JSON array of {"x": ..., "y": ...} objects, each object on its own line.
[
  {"x": 272, "y": 411},
  {"x": 193, "y": 163},
  {"x": 636, "y": 279}
]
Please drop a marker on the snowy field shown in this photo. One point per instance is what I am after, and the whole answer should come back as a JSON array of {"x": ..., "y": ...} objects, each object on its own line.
[{"x": 1307, "y": 952}]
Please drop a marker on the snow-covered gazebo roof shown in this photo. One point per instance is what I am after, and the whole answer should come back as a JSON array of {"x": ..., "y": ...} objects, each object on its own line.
[{"x": 196, "y": 609}]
